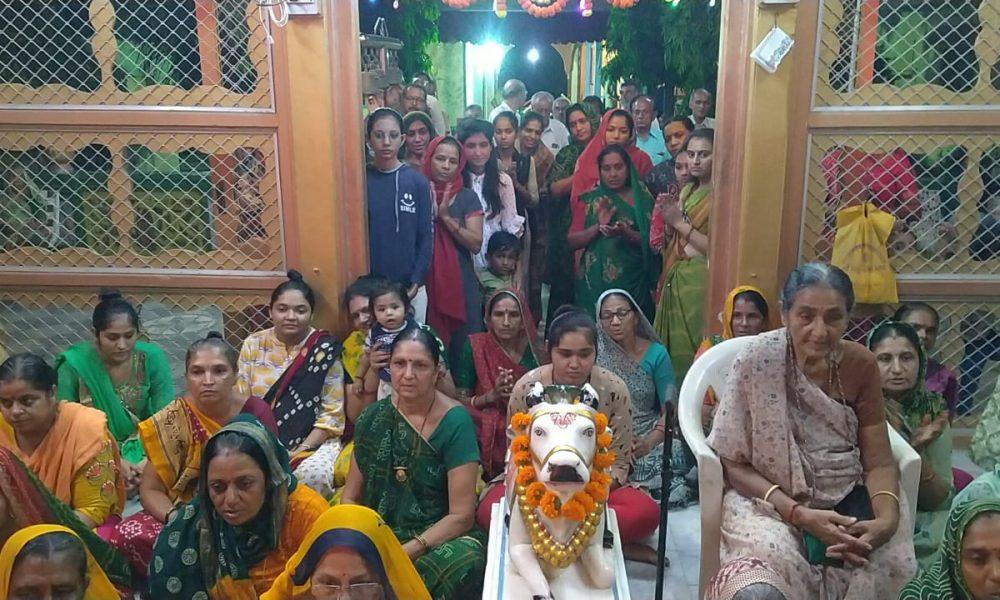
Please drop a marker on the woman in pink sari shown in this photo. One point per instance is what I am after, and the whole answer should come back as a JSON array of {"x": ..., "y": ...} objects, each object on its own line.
[{"x": 811, "y": 484}]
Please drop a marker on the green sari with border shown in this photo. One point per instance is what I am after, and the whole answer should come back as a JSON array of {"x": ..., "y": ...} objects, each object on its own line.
[
  {"x": 608, "y": 263},
  {"x": 680, "y": 312},
  {"x": 83, "y": 378},
  {"x": 383, "y": 438}
]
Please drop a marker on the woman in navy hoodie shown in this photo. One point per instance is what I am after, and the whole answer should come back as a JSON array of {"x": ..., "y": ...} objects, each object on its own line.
[{"x": 400, "y": 237}]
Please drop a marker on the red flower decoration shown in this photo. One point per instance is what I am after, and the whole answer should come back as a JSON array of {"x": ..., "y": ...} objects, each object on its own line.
[{"x": 542, "y": 9}]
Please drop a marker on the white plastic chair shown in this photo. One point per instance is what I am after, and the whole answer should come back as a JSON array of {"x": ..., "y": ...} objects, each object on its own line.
[{"x": 710, "y": 370}]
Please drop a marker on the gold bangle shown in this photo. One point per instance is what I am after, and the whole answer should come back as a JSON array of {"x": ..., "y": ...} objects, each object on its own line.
[
  {"x": 886, "y": 493},
  {"x": 420, "y": 540},
  {"x": 771, "y": 491}
]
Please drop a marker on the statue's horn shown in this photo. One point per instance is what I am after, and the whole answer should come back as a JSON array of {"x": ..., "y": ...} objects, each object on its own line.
[
  {"x": 588, "y": 396},
  {"x": 536, "y": 395}
]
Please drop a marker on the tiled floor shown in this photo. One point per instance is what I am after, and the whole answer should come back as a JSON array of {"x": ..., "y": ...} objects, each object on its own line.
[{"x": 680, "y": 581}]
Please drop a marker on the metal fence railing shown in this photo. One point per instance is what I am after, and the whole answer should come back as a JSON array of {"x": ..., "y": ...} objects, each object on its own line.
[
  {"x": 908, "y": 53},
  {"x": 943, "y": 189},
  {"x": 139, "y": 201},
  {"x": 134, "y": 52}
]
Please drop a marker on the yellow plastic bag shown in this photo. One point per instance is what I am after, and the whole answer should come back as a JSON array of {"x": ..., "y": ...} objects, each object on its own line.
[{"x": 860, "y": 250}]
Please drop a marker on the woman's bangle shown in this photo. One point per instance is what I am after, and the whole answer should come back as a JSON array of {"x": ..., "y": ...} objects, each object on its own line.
[
  {"x": 886, "y": 493},
  {"x": 791, "y": 514},
  {"x": 771, "y": 491},
  {"x": 420, "y": 540},
  {"x": 928, "y": 477}
]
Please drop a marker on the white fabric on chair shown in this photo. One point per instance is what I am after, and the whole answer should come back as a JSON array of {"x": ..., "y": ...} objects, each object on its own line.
[{"x": 710, "y": 370}]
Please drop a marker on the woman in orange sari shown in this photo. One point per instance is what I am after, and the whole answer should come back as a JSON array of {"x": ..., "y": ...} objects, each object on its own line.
[
  {"x": 66, "y": 445},
  {"x": 174, "y": 439}
]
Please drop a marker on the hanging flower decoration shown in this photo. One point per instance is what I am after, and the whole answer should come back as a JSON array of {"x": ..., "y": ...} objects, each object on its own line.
[
  {"x": 542, "y": 9},
  {"x": 586, "y": 7},
  {"x": 622, "y": 3},
  {"x": 458, "y": 3},
  {"x": 500, "y": 8}
]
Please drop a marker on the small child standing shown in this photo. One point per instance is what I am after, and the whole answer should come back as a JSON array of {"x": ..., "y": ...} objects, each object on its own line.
[{"x": 503, "y": 251}]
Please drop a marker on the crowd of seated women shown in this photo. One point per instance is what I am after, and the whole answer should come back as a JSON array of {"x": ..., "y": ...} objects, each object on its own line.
[{"x": 232, "y": 482}]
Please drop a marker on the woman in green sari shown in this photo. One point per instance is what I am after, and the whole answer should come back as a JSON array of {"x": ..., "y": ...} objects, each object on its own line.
[
  {"x": 680, "y": 319},
  {"x": 582, "y": 124},
  {"x": 416, "y": 460},
  {"x": 611, "y": 229},
  {"x": 922, "y": 418},
  {"x": 966, "y": 567},
  {"x": 126, "y": 379}
]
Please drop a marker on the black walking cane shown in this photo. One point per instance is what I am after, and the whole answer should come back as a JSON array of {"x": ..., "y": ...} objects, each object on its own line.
[{"x": 666, "y": 474}]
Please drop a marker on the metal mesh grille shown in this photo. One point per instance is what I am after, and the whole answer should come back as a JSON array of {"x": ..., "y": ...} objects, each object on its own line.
[
  {"x": 968, "y": 343},
  {"x": 134, "y": 52},
  {"x": 48, "y": 324},
  {"x": 908, "y": 53},
  {"x": 944, "y": 191},
  {"x": 139, "y": 200}
]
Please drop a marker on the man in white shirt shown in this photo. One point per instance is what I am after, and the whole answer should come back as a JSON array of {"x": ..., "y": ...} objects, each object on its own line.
[
  {"x": 554, "y": 135},
  {"x": 515, "y": 96},
  {"x": 649, "y": 139},
  {"x": 700, "y": 105}
]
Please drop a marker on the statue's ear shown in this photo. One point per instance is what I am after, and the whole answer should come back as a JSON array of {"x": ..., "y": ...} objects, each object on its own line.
[
  {"x": 536, "y": 395},
  {"x": 589, "y": 396}
]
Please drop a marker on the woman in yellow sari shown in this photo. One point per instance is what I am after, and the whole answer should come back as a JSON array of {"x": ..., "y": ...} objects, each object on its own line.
[
  {"x": 349, "y": 540},
  {"x": 174, "y": 438},
  {"x": 249, "y": 517},
  {"x": 679, "y": 313},
  {"x": 57, "y": 552},
  {"x": 66, "y": 445}
]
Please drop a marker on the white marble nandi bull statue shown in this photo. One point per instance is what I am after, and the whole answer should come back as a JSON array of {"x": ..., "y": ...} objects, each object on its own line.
[{"x": 557, "y": 517}]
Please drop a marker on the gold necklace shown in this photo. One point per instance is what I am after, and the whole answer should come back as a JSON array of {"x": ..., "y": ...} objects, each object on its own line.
[{"x": 400, "y": 470}]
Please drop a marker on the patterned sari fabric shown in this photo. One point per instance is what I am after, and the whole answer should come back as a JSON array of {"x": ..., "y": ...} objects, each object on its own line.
[
  {"x": 200, "y": 556},
  {"x": 29, "y": 502},
  {"x": 906, "y": 414},
  {"x": 985, "y": 447},
  {"x": 83, "y": 378},
  {"x": 774, "y": 419},
  {"x": 612, "y": 262},
  {"x": 740, "y": 573},
  {"x": 487, "y": 359},
  {"x": 650, "y": 384},
  {"x": 99, "y": 586},
  {"x": 358, "y": 528},
  {"x": 78, "y": 461},
  {"x": 680, "y": 308},
  {"x": 384, "y": 439},
  {"x": 944, "y": 580},
  {"x": 174, "y": 439}
]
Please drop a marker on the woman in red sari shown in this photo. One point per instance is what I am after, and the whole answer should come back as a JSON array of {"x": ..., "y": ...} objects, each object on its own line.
[
  {"x": 453, "y": 297},
  {"x": 617, "y": 127},
  {"x": 487, "y": 368}
]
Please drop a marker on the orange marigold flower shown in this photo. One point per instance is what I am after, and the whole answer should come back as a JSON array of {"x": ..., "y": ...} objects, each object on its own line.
[
  {"x": 573, "y": 510},
  {"x": 604, "y": 460},
  {"x": 520, "y": 421},
  {"x": 597, "y": 491},
  {"x": 604, "y": 440},
  {"x": 522, "y": 458},
  {"x": 550, "y": 505},
  {"x": 525, "y": 475},
  {"x": 519, "y": 443},
  {"x": 585, "y": 499},
  {"x": 533, "y": 495},
  {"x": 600, "y": 478},
  {"x": 601, "y": 422}
]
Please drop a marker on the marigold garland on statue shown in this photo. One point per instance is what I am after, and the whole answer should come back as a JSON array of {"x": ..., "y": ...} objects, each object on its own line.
[
  {"x": 585, "y": 506},
  {"x": 542, "y": 9}
]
